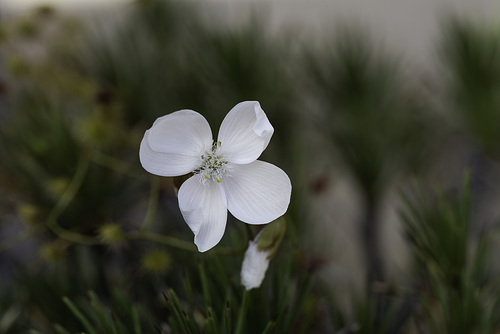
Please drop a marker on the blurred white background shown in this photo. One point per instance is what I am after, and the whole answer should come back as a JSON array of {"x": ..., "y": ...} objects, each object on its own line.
[{"x": 408, "y": 25}]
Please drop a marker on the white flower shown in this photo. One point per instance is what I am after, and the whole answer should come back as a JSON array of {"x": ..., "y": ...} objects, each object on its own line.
[
  {"x": 254, "y": 265},
  {"x": 226, "y": 174}
]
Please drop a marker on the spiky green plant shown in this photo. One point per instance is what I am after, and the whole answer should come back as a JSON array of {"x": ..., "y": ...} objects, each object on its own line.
[{"x": 458, "y": 291}]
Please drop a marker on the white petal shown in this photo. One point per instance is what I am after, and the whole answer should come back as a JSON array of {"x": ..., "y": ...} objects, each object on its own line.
[
  {"x": 174, "y": 144},
  {"x": 204, "y": 209},
  {"x": 165, "y": 164},
  {"x": 245, "y": 132},
  {"x": 257, "y": 193},
  {"x": 254, "y": 266}
]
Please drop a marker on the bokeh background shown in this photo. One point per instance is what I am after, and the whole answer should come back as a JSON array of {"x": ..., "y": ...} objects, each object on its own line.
[{"x": 387, "y": 120}]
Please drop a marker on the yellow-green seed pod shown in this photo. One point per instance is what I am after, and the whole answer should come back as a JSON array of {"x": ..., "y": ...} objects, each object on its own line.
[
  {"x": 157, "y": 261},
  {"x": 52, "y": 252},
  {"x": 30, "y": 213},
  {"x": 112, "y": 234},
  {"x": 97, "y": 130},
  {"x": 58, "y": 185}
]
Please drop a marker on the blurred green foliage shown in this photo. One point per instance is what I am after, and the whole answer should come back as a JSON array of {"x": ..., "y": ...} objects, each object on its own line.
[
  {"x": 458, "y": 286},
  {"x": 89, "y": 242},
  {"x": 471, "y": 54}
]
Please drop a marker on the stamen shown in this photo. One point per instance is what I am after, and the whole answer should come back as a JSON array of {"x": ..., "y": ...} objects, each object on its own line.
[{"x": 213, "y": 165}]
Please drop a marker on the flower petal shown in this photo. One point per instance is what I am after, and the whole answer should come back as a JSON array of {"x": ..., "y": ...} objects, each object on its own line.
[
  {"x": 245, "y": 132},
  {"x": 165, "y": 164},
  {"x": 258, "y": 192},
  {"x": 174, "y": 144},
  {"x": 204, "y": 209}
]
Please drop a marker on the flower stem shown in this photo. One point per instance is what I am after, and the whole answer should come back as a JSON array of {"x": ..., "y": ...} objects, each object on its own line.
[
  {"x": 242, "y": 314},
  {"x": 115, "y": 164},
  {"x": 250, "y": 233},
  {"x": 162, "y": 239},
  {"x": 152, "y": 204},
  {"x": 143, "y": 233},
  {"x": 65, "y": 200}
]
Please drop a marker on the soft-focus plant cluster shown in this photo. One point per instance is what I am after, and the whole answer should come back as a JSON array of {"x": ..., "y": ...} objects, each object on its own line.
[{"x": 92, "y": 243}]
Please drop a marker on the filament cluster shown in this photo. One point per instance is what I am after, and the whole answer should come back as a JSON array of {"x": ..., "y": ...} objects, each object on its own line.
[{"x": 213, "y": 165}]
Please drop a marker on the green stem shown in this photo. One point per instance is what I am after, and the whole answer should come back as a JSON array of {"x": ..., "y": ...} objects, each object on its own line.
[
  {"x": 79, "y": 315},
  {"x": 242, "y": 314},
  {"x": 143, "y": 233},
  {"x": 65, "y": 200},
  {"x": 250, "y": 233},
  {"x": 162, "y": 239},
  {"x": 270, "y": 326},
  {"x": 152, "y": 204},
  {"x": 135, "y": 320},
  {"x": 228, "y": 251},
  {"x": 298, "y": 303},
  {"x": 115, "y": 164},
  {"x": 179, "y": 244}
]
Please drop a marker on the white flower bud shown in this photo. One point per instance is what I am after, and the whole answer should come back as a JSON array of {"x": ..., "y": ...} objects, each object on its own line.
[{"x": 254, "y": 266}]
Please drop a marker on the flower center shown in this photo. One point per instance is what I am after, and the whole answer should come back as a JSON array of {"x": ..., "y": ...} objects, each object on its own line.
[{"x": 213, "y": 165}]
